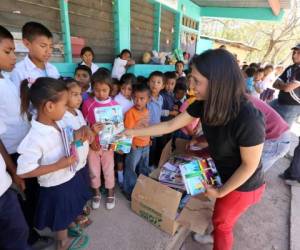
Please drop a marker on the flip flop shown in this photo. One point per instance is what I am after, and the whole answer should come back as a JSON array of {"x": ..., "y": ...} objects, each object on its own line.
[
  {"x": 75, "y": 232},
  {"x": 79, "y": 243}
]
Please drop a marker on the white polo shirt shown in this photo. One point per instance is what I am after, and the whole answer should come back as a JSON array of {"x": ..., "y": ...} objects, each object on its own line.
[
  {"x": 4, "y": 176},
  {"x": 76, "y": 122},
  {"x": 43, "y": 145},
  {"x": 94, "y": 67},
  {"x": 10, "y": 113},
  {"x": 26, "y": 69},
  {"x": 119, "y": 68},
  {"x": 123, "y": 102}
]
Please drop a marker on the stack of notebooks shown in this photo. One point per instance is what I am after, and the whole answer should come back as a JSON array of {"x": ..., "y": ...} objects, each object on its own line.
[
  {"x": 69, "y": 145},
  {"x": 191, "y": 174}
]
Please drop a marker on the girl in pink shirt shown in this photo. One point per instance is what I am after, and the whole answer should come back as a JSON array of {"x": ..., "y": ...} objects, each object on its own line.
[{"x": 98, "y": 158}]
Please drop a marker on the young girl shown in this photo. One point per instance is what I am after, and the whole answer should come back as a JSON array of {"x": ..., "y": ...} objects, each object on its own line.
[
  {"x": 98, "y": 158},
  {"x": 73, "y": 118},
  {"x": 121, "y": 63},
  {"x": 87, "y": 55},
  {"x": 124, "y": 98},
  {"x": 62, "y": 192}
]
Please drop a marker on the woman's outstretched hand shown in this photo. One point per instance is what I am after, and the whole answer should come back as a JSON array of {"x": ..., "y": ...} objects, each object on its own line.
[{"x": 127, "y": 132}]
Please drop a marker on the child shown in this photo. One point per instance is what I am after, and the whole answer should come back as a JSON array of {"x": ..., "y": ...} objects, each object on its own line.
[
  {"x": 98, "y": 158},
  {"x": 17, "y": 128},
  {"x": 14, "y": 233},
  {"x": 62, "y": 192},
  {"x": 156, "y": 84},
  {"x": 87, "y": 55},
  {"x": 180, "y": 92},
  {"x": 73, "y": 118},
  {"x": 179, "y": 67},
  {"x": 124, "y": 98},
  {"x": 115, "y": 88},
  {"x": 168, "y": 96},
  {"x": 137, "y": 117},
  {"x": 38, "y": 39},
  {"x": 250, "y": 80},
  {"x": 83, "y": 75},
  {"x": 121, "y": 64},
  {"x": 267, "y": 84}
]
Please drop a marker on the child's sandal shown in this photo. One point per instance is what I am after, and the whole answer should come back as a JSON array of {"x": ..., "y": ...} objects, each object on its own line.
[
  {"x": 87, "y": 210},
  {"x": 83, "y": 221},
  {"x": 111, "y": 205},
  {"x": 75, "y": 231},
  {"x": 79, "y": 243}
]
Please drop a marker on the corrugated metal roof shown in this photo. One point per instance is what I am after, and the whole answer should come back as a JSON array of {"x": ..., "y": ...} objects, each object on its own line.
[{"x": 284, "y": 4}]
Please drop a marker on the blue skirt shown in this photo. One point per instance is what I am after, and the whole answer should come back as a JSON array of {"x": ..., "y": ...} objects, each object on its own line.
[{"x": 59, "y": 206}]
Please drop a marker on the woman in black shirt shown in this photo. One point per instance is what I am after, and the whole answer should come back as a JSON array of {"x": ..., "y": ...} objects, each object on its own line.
[{"x": 235, "y": 133}]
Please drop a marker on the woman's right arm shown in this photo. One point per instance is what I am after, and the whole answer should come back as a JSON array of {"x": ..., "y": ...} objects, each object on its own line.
[
  {"x": 178, "y": 122},
  {"x": 46, "y": 169}
]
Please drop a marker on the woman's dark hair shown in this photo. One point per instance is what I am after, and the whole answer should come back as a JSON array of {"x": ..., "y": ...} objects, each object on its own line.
[
  {"x": 125, "y": 51},
  {"x": 102, "y": 75},
  {"x": 44, "y": 89},
  {"x": 128, "y": 78},
  {"x": 87, "y": 49},
  {"x": 226, "y": 85}
]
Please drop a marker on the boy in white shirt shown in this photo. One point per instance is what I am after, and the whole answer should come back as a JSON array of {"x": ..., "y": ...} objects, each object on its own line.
[
  {"x": 38, "y": 39},
  {"x": 121, "y": 64}
]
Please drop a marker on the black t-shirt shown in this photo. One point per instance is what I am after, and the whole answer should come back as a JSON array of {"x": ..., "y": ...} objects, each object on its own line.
[
  {"x": 291, "y": 74},
  {"x": 246, "y": 130}
]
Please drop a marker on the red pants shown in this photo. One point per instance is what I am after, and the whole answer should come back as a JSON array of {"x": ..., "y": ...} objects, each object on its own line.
[{"x": 227, "y": 210}]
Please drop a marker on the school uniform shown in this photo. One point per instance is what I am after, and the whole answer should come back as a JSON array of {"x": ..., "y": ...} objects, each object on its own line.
[
  {"x": 13, "y": 227},
  {"x": 76, "y": 122},
  {"x": 61, "y": 196},
  {"x": 93, "y": 67},
  {"x": 10, "y": 113},
  {"x": 123, "y": 102},
  {"x": 26, "y": 69}
]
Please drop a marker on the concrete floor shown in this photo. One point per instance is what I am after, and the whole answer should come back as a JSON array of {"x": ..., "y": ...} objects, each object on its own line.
[{"x": 265, "y": 226}]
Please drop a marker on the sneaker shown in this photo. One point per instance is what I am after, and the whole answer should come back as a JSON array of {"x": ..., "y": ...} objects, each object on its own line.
[
  {"x": 294, "y": 183},
  {"x": 203, "y": 238},
  {"x": 112, "y": 204},
  {"x": 96, "y": 201}
]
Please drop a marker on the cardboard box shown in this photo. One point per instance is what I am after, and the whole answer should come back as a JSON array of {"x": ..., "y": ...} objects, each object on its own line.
[{"x": 158, "y": 204}]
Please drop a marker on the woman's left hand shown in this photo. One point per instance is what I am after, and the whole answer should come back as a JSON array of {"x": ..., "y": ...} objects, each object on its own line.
[{"x": 213, "y": 192}]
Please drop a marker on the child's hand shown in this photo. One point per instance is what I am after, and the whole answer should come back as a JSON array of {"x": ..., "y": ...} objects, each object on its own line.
[
  {"x": 20, "y": 183},
  {"x": 174, "y": 112},
  {"x": 66, "y": 161},
  {"x": 84, "y": 134},
  {"x": 95, "y": 146},
  {"x": 97, "y": 127}
]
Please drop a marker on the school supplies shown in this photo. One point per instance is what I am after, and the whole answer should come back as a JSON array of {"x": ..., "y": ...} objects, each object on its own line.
[
  {"x": 69, "y": 145},
  {"x": 198, "y": 173},
  {"x": 112, "y": 119}
]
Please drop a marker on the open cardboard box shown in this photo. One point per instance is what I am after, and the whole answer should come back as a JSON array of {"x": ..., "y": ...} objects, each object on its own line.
[{"x": 159, "y": 204}]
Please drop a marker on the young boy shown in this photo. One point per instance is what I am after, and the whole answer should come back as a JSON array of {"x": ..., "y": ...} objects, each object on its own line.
[
  {"x": 83, "y": 75},
  {"x": 179, "y": 67},
  {"x": 156, "y": 84},
  {"x": 38, "y": 39},
  {"x": 180, "y": 92},
  {"x": 14, "y": 233},
  {"x": 168, "y": 96},
  {"x": 137, "y": 117}
]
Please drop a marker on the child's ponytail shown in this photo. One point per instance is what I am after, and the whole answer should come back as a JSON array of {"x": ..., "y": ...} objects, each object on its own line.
[{"x": 25, "y": 97}]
